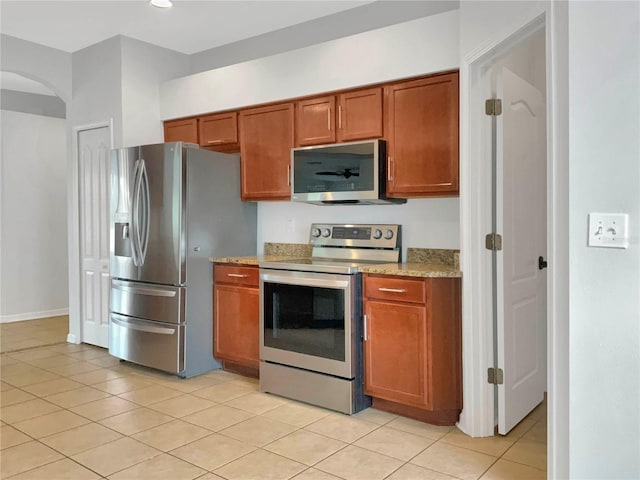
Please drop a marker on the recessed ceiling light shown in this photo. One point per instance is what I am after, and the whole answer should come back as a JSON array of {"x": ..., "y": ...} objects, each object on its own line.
[{"x": 161, "y": 3}]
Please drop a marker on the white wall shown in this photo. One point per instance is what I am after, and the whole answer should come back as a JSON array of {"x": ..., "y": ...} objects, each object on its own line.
[
  {"x": 33, "y": 257},
  {"x": 144, "y": 67},
  {"x": 370, "y": 16},
  {"x": 97, "y": 86},
  {"x": 604, "y": 118},
  {"x": 47, "y": 65},
  {"x": 412, "y": 48},
  {"x": 426, "y": 223}
]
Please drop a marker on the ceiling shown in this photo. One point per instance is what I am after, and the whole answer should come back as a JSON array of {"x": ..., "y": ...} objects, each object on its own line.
[
  {"x": 192, "y": 26},
  {"x": 188, "y": 27}
]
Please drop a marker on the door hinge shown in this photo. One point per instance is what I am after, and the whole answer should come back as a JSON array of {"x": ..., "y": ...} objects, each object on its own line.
[
  {"x": 493, "y": 241},
  {"x": 495, "y": 376},
  {"x": 493, "y": 107}
]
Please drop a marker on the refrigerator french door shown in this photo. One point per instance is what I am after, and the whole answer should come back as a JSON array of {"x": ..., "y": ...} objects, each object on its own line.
[{"x": 173, "y": 207}]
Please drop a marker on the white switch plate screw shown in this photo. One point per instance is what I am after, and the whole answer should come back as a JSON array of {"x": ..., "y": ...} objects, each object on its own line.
[{"x": 608, "y": 230}]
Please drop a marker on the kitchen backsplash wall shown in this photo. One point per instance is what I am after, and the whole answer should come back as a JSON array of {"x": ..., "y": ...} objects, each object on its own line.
[{"x": 426, "y": 222}]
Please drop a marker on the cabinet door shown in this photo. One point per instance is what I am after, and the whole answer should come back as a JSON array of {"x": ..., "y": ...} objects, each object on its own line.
[
  {"x": 266, "y": 139},
  {"x": 422, "y": 133},
  {"x": 236, "y": 324},
  {"x": 315, "y": 121},
  {"x": 360, "y": 114},
  {"x": 181, "y": 130},
  {"x": 219, "y": 130},
  {"x": 396, "y": 353}
]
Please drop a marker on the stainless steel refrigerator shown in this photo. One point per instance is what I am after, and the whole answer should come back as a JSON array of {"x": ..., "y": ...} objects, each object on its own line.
[{"x": 172, "y": 207}]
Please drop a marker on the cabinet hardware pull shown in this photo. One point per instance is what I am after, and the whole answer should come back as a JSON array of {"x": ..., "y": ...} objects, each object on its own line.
[
  {"x": 339, "y": 116},
  {"x": 366, "y": 334},
  {"x": 329, "y": 119},
  {"x": 389, "y": 174},
  {"x": 392, "y": 290},
  {"x": 214, "y": 141},
  {"x": 237, "y": 275}
]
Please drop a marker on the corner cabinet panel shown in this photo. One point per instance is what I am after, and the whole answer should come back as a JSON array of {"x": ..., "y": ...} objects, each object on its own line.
[
  {"x": 236, "y": 325},
  {"x": 315, "y": 121},
  {"x": 181, "y": 130},
  {"x": 236, "y": 315},
  {"x": 396, "y": 353},
  {"x": 422, "y": 131},
  {"x": 266, "y": 139},
  {"x": 413, "y": 351},
  {"x": 360, "y": 114}
]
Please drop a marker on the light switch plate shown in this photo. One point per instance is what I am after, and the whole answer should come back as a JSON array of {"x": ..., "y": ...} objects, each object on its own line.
[{"x": 608, "y": 230}]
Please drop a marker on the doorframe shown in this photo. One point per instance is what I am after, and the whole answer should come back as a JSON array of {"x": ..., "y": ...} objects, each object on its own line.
[
  {"x": 73, "y": 208},
  {"x": 478, "y": 417}
]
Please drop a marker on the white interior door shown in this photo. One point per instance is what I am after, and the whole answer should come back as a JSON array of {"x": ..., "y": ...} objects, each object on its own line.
[
  {"x": 521, "y": 217},
  {"x": 93, "y": 158}
]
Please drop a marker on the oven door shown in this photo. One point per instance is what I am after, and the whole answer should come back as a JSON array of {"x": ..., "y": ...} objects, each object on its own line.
[{"x": 307, "y": 320}]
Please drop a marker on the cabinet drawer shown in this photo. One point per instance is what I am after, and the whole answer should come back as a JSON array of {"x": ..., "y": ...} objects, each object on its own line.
[
  {"x": 248, "y": 276},
  {"x": 395, "y": 289}
]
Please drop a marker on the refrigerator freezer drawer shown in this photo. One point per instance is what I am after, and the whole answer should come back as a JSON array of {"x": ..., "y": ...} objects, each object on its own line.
[
  {"x": 153, "y": 344},
  {"x": 151, "y": 302}
]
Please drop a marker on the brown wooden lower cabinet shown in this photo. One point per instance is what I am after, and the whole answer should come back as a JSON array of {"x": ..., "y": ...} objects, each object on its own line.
[
  {"x": 413, "y": 360},
  {"x": 236, "y": 310}
]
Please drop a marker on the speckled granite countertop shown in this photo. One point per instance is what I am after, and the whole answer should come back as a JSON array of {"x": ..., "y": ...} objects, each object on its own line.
[
  {"x": 273, "y": 252},
  {"x": 421, "y": 262},
  {"x": 424, "y": 270}
]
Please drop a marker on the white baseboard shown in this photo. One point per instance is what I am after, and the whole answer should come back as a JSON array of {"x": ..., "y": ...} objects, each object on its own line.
[
  {"x": 71, "y": 338},
  {"x": 33, "y": 315}
]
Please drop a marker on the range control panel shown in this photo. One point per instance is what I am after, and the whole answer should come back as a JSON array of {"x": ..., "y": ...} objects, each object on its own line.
[{"x": 355, "y": 235}]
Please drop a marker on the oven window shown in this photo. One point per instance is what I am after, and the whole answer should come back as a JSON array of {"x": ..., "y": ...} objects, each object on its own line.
[{"x": 305, "y": 319}]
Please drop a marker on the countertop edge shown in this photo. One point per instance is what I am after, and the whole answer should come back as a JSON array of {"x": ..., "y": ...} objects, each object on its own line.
[{"x": 413, "y": 269}]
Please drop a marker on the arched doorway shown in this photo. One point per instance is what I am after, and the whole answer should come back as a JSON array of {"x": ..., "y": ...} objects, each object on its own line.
[{"x": 34, "y": 236}]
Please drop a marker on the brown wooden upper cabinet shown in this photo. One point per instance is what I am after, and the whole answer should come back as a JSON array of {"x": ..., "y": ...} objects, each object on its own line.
[
  {"x": 360, "y": 114},
  {"x": 354, "y": 115},
  {"x": 421, "y": 128},
  {"x": 219, "y": 131},
  {"x": 315, "y": 121},
  {"x": 266, "y": 139},
  {"x": 181, "y": 130}
]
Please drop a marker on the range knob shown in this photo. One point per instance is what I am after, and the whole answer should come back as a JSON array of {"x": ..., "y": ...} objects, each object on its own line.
[
  {"x": 377, "y": 234},
  {"x": 326, "y": 232},
  {"x": 388, "y": 234},
  {"x": 315, "y": 233}
]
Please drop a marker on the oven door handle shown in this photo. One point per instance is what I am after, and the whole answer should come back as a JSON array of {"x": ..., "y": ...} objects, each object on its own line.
[{"x": 305, "y": 281}]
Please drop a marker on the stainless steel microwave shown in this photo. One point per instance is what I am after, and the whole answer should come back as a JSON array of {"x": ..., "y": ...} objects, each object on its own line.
[{"x": 341, "y": 173}]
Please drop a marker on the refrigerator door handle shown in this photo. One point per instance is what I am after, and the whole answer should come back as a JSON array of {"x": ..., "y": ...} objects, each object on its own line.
[
  {"x": 141, "y": 328},
  {"x": 142, "y": 291},
  {"x": 146, "y": 211},
  {"x": 135, "y": 216}
]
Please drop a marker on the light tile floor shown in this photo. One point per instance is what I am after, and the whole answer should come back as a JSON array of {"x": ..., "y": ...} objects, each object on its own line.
[{"x": 73, "y": 412}]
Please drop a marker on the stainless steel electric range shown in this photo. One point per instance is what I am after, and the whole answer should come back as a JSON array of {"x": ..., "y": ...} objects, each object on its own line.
[{"x": 311, "y": 327}]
